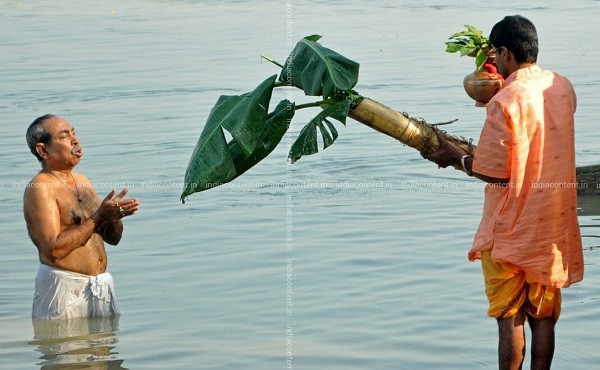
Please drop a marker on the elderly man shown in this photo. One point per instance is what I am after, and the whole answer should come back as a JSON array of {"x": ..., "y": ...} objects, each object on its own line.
[
  {"x": 69, "y": 224},
  {"x": 528, "y": 239}
]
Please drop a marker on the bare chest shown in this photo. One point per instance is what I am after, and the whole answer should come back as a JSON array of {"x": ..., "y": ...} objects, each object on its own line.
[{"x": 74, "y": 207}]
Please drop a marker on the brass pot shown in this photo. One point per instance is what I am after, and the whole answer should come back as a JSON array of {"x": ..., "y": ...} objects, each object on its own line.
[{"x": 481, "y": 86}]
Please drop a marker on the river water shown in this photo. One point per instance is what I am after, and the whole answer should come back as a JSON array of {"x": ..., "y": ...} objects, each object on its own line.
[{"x": 354, "y": 258}]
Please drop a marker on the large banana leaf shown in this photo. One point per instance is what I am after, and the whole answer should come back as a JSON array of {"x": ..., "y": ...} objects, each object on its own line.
[
  {"x": 275, "y": 127},
  {"x": 306, "y": 143},
  {"x": 317, "y": 70},
  {"x": 255, "y": 134}
]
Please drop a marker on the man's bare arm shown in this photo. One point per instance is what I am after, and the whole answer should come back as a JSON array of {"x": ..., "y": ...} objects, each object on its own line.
[
  {"x": 488, "y": 179},
  {"x": 111, "y": 232},
  {"x": 43, "y": 220}
]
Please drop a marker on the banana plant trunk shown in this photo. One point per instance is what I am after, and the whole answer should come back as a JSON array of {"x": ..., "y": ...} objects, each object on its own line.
[
  {"x": 422, "y": 136},
  {"x": 410, "y": 131}
]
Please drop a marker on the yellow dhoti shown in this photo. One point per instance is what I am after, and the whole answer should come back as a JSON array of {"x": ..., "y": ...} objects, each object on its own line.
[{"x": 508, "y": 290}]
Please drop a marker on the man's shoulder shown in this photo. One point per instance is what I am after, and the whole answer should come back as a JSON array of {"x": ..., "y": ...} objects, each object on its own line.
[
  {"x": 559, "y": 88},
  {"x": 38, "y": 191},
  {"x": 45, "y": 177},
  {"x": 44, "y": 183},
  {"x": 520, "y": 90},
  {"x": 42, "y": 180},
  {"x": 506, "y": 97},
  {"x": 555, "y": 74},
  {"x": 562, "y": 80}
]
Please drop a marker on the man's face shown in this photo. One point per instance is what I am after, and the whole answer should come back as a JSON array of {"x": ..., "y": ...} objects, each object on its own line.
[
  {"x": 500, "y": 61},
  {"x": 63, "y": 151}
]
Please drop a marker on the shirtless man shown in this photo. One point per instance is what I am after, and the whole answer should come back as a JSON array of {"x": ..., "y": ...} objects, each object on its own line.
[{"x": 69, "y": 224}]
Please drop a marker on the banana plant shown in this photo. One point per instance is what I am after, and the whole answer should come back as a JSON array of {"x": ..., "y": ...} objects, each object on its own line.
[{"x": 256, "y": 131}]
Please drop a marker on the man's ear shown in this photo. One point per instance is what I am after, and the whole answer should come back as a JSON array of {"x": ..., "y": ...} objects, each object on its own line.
[
  {"x": 40, "y": 148},
  {"x": 508, "y": 55}
]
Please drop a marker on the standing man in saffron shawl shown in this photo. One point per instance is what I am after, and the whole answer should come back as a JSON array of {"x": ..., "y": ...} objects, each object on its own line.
[
  {"x": 69, "y": 224},
  {"x": 528, "y": 239}
]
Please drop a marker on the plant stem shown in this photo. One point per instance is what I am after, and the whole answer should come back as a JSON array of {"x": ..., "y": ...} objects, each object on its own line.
[
  {"x": 271, "y": 60},
  {"x": 308, "y": 105},
  {"x": 444, "y": 123}
]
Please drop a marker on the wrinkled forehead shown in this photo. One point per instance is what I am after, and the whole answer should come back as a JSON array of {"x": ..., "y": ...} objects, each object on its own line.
[{"x": 57, "y": 125}]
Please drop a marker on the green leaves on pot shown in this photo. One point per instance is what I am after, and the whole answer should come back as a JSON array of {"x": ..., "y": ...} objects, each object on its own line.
[
  {"x": 470, "y": 42},
  {"x": 317, "y": 70},
  {"x": 255, "y": 133}
]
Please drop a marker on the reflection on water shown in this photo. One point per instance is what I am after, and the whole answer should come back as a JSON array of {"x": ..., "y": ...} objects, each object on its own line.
[
  {"x": 589, "y": 205},
  {"x": 77, "y": 343}
]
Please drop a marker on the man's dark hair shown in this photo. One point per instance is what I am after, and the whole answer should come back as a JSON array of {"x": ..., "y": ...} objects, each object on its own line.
[
  {"x": 38, "y": 134},
  {"x": 517, "y": 34}
]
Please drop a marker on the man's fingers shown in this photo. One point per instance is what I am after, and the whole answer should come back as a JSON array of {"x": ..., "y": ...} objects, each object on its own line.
[
  {"x": 130, "y": 209},
  {"x": 442, "y": 139},
  {"x": 122, "y": 193},
  {"x": 130, "y": 204},
  {"x": 109, "y": 196},
  {"x": 431, "y": 156}
]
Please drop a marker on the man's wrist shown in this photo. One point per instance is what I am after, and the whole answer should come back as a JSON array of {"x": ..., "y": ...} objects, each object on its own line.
[
  {"x": 465, "y": 165},
  {"x": 95, "y": 217}
]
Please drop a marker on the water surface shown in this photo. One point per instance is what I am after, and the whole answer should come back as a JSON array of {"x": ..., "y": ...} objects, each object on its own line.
[{"x": 352, "y": 258}]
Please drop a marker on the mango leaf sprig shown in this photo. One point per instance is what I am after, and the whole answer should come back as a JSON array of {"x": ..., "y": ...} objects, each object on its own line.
[{"x": 472, "y": 43}]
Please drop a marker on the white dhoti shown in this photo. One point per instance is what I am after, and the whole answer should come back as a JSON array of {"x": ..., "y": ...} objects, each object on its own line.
[{"x": 61, "y": 294}]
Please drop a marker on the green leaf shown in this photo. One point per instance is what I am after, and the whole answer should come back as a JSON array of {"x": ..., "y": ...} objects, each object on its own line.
[
  {"x": 480, "y": 59},
  {"x": 338, "y": 109},
  {"x": 452, "y": 47},
  {"x": 473, "y": 30},
  {"x": 466, "y": 50},
  {"x": 255, "y": 134},
  {"x": 327, "y": 138},
  {"x": 244, "y": 121},
  {"x": 313, "y": 37},
  {"x": 306, "y": 143},
  {"x": 466, "y": 34},
  {"x": 333, "y": 131},
  {"x": 472, "y": 40},
  {"x": 317, "y": 70},
  {"x": 275, "y": 127}
]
